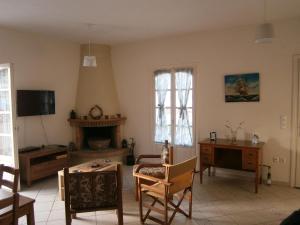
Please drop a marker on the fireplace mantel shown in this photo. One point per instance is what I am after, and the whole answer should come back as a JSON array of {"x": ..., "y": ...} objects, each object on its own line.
[{"x": 97, "y": 123}]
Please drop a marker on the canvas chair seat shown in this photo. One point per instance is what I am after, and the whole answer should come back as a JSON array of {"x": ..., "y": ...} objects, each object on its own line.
[{"x": 158, "y": 172}]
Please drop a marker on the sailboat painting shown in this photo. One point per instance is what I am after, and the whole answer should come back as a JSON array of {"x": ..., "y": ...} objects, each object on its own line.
[{"x": 242, "y": 87}]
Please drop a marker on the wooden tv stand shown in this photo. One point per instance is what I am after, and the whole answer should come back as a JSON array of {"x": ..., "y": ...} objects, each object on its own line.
[
  {"x": 240, "y": 155},
  {"x": 41, "y": 163}
]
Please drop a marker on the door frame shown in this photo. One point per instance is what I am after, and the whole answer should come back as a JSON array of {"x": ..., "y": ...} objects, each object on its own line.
[
  {"x": 295, "y": 127},
  {"x": 15, "y": 154}
]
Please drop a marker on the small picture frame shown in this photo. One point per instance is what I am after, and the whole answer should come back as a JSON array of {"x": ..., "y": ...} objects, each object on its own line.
[{"x": 213, "y": 136}]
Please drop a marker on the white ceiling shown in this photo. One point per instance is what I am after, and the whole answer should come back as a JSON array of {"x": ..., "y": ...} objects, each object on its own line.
[{"x": 120, "y": 21}]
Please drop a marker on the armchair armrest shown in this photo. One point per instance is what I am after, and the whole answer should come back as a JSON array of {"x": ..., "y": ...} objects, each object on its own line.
[
  {"x": 146, "y": 157},
  {"x": 153, "y": 179}
]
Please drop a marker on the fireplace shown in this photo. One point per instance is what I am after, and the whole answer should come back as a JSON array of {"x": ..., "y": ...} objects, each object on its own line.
[{"x": 101, "y": 129}]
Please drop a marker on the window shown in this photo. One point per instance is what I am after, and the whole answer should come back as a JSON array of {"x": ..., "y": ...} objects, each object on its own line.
[{"x": 174, "y": 106}]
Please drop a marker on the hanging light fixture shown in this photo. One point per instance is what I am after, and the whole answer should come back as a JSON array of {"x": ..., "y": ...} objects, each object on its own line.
[
  {"x": 265, "y": 31},
  {"x": 88, "y": 60}
]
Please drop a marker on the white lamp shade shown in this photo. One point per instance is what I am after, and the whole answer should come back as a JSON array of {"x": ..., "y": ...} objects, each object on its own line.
[
  {"x": 89, "y": 61},
  {"x": 264, "y": 33}
]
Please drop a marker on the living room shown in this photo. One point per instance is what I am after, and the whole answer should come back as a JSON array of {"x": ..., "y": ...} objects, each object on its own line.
[{"x": 44, "y": 44}]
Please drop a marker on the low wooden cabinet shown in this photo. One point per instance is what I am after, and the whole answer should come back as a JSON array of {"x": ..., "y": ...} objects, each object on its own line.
[
  {"x": 240, "y": 155},
  {"x": 41, "y": 163}
]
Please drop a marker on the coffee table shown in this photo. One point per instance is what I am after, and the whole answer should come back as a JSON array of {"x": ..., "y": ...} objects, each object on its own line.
[{"x": 93, "y": 165}]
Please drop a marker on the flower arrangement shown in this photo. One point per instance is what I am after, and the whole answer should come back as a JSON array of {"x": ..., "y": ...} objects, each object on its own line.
[{"x": 233, "y": 131}]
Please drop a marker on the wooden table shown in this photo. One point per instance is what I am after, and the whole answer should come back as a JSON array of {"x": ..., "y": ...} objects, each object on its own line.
[
  {"x": 93, "y": 165},
  {"x": 240, "y": 155},
  {"x": 25, "y": 205}
]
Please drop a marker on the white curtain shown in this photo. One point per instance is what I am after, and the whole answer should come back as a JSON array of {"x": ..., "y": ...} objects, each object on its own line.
[
  {"x": 162, "y": 85},
  {"x": 183, "y": 134}
]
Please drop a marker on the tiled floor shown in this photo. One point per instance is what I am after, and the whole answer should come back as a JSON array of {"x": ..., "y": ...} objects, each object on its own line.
[{"x": 221, "y": 200}]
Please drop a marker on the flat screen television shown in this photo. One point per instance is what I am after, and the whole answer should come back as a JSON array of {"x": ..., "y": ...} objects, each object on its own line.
[{"x": 35, "y": 102}]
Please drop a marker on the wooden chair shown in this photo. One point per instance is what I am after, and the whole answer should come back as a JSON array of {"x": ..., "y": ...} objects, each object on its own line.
[
  {"x": 9, "y": 207},
  {"x": 151, "y": 169},
  {"x": 93, "y": 191},
  {"x": 178, "y": 183},
  {"x": 12, "y": 185}
]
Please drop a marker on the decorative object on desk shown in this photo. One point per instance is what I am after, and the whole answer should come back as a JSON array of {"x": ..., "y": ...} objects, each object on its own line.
[
  {"x": 255, "y": 139},
  {"x": 85, "y": 117},
  {"x": 106, "y": 117},
  {"x": 118, "y": 115},
  {"x": 165, "y": 153},
  {"x": 233, "y": 132},
  {"x": 213, "y": 136},
  {"x": 96, "y": 112},
  {"x": 242, "y": 87},
  {"x": 124, "y": 143},
  {"x": 130, "y": 156},
  {"x": 73, "y": 114}
]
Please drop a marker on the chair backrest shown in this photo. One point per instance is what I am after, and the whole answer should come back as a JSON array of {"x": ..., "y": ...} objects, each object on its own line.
[
  {"x": 11, "y": 217},
  {"x": 171, "y": 155},
  {"x": 93, "y": 190},
  {"x": 181, "y": 175},
  {"x": 13, "y": 185}
]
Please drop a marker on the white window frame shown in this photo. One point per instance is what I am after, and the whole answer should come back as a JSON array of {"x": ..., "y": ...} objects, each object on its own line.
[{"x": 173, "y": 105}]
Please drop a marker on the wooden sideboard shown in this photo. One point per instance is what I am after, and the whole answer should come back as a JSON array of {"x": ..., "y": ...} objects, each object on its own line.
[
  {"x": 240, "y": 155},
  {"x": 41, "y": 163}
]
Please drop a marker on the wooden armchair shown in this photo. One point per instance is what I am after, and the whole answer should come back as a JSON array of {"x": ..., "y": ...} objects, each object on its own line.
[
  {"x": 93, "y": 191},
  {"x": 9, "y": 207},
  {"x": 12, "y": 185},
  {"x": 151, "y": 169},
  {"x": 178, "y": 182}
]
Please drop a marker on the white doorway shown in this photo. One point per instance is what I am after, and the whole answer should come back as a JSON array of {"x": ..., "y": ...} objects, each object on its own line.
[
  {"x": 295, "y": 145},
  {"x": 8, "y": 147}
]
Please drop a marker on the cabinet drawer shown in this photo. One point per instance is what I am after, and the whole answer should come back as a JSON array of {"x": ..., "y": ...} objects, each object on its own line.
[
  {"x": 206, "y": 149},
  {"x": 249, "y": 165},
  {"x": 250, "y": 159},
  {"x": 206, "y": 158},
  {"x": 47, "y": 168}
]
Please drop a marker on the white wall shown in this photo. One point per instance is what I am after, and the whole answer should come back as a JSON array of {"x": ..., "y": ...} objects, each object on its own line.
[
  {"x": 214, "y": 54},
  {"x": 96, "y": 84},
  {"x": 42, "y": 63}
]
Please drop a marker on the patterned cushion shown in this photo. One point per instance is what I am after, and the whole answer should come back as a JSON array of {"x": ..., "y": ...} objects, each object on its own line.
[
  {"x": 158, "y": 172},
  {"x": 93, "y": 190}
]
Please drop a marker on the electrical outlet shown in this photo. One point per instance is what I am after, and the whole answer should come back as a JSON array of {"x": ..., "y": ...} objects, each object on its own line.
[
  {"x": 282, "y": 160},
  {"x": 276, "y": 159},
  {"x": 283, "y": 122}
]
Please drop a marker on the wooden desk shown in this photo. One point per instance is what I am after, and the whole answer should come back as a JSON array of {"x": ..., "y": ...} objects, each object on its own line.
[
  {"x": 241, "y": 155},
  {"x": 85, "y": 167},
  {"x": 25, "y": 205}
]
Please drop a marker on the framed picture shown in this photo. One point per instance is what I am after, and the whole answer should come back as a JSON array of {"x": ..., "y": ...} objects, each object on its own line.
[{"x": 242, "y": 87}]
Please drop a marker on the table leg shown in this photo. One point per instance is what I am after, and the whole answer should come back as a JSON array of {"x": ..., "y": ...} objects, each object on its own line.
[
  {"x": 256, "y": 180},
  {"x": 201, "y": 173},
  {"x": 30, "y": 215}
]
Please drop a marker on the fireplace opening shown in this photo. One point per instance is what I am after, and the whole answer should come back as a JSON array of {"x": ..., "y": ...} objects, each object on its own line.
[{"x": 99, "y": 137}]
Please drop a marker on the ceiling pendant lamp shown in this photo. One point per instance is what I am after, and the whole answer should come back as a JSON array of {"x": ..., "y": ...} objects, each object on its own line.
[
  {"x": 88, "y": 60},
  {"x": 264, "y": 31}
]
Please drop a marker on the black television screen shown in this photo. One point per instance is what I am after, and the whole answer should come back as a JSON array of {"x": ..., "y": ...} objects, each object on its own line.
[{"x": 34, "y": 102}]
